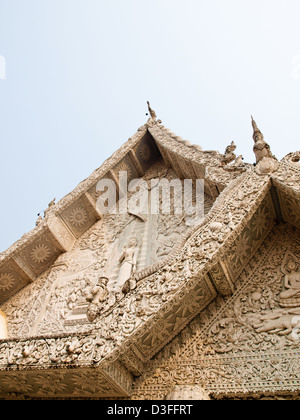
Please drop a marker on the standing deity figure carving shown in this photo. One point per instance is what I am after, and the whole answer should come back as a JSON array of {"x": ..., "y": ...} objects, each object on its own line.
[{"x": 128, "y": 262}]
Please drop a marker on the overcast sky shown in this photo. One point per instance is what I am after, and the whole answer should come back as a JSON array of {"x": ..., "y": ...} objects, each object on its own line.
[{"x": 75, "y": 76}]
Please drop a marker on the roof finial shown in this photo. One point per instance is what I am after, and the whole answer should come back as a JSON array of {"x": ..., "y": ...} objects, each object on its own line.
[
  {"x": 229, "y": 155},
  {"x": 261, "y": 148},
  {"x": 152, "y": 112},
  {"x": 256, "y": 130}
]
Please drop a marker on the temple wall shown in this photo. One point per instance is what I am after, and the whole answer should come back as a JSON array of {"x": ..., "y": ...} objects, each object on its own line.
[
  {"x": 212, "y": 310},
  {"x": 58, "y": 302},
  {"x": 246, "y": 344}
]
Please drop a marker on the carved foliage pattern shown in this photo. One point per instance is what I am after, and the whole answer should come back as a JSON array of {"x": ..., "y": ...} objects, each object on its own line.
[
  {"x": 57, "y": 302},
  {"x": 169, "y": 285},
  {"x": 224, "y": 349},
  {"x": 225, "y": 225},
  {"x": 79, "y": 384}
]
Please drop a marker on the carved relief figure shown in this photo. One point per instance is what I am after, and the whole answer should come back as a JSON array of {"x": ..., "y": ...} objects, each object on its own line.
[
  {"x": 278, "y": 322},
  {"x": 99, "y": 293},
  {"x": 282, "y": 321},
  {"x": 92, "y": 312},
  {"x": 128, "y": 262},
  {"x": 265, "y": 314},
  {"x": 291, "y": 296},
  {"x": 97, "y": 296},
  {"x": 229, "y": 155}
]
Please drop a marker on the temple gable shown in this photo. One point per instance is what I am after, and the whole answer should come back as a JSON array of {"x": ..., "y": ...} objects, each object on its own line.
[{"x": 110, "y": 296}]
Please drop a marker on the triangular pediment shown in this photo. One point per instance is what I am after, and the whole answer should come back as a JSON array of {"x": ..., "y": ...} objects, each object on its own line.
[
  {"x": 71, "y": 217},
  {"x": 64, "y": 264}
]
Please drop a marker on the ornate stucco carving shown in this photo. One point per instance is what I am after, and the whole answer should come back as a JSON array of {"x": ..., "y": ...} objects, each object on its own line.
[
  {"x": 164, "y": 303},
  {"x": 188, "y": 392},
  {"x": 64, "y": 264},
  {"x": 238, "y": 345},
  {"x": 68, "y": 219},
  {"x": 93, "y": 266}
]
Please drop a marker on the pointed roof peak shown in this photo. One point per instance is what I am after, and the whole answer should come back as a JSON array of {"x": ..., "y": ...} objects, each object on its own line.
[
  {"x": 151, "y": 112},
  {"x": 254, "y": 125},
  {"x": 257, "y": 134},
  {"x": 261, "y": 148}
]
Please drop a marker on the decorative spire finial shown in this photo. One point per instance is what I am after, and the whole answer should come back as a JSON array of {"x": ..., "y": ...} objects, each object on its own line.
[
  {"x": 262, "y": 150},
  {"x": 152, "y": 112},
  {"x": 256, "y": 130}
]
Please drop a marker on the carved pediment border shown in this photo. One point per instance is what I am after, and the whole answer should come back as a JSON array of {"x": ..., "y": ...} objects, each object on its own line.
[
  {"x": 77, "y": 211},
  {"x": 226, "y": 376},
  {"x": 236, "y": 363},
  {"x": 206, "y": 246},
  {"x": 149, "y": 332},
  {"x": 289, "y": 199}
]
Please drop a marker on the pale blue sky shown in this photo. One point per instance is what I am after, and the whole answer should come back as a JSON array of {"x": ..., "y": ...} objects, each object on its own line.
[{"x": 79, "y": 73}]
